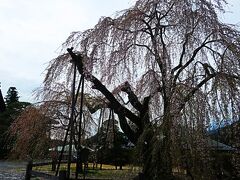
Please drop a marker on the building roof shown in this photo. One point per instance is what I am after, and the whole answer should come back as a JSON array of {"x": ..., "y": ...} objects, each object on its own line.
[{"x": 66, "y": 148}]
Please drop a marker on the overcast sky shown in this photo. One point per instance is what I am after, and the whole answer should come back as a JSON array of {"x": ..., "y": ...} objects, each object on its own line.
[{"x": 32, "y": 31}]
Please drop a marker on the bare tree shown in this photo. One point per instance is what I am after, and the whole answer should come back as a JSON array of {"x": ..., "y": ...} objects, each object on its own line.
[
  {"x": 35, "y": 129},
  {"x": 30, "y": 131},
  {"x": 182, "y": 69}
]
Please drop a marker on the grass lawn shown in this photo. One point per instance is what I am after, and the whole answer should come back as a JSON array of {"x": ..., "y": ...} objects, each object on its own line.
[{"x": 107, "y": 172}]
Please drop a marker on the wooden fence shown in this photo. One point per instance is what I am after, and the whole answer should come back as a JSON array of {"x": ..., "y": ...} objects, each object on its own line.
[{"x": 31, "y": 173}]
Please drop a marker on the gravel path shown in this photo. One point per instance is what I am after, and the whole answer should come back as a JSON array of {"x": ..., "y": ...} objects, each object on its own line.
[{"x": 12, "y": 170}]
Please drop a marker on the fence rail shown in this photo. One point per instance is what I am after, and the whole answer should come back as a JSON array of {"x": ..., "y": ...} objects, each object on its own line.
[
  {"x": 62, "y": 174},
  {"x": 30, "y": 172}
]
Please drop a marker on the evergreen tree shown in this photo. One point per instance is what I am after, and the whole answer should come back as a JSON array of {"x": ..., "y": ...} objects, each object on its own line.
[
  {"x": 2, "y": 103},
  {"x": 12, "y": 95},
  {"x": 13, "y": 110}
]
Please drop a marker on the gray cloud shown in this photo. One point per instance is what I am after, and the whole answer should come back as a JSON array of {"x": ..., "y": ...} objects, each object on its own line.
[{"x": 32, "y": 31}]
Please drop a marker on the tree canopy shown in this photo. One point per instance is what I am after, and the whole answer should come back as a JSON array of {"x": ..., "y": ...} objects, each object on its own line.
[
  {"x": 13, "y": 109},
  {"x": 166, "y": 49},
  {"x": 175, "y": 62}
]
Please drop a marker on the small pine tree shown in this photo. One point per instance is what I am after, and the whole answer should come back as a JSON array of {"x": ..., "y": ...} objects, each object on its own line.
[{"x": 12, "y": 95}]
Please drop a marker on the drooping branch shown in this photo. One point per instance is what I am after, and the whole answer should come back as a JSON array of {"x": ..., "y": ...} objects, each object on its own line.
[
  {"x": 195, "y": 89},
  {"x": 131, "y": 96},
  {"x": 143, "y": 108},
  {"x": 229, "y": 75},
  {"x": 194, "y": 54},
  {"x": 167, "y": 12},
  {"x": 122, "y": 111},
  {"x": 185, "y": 43},
  {"x": 144, "y": 114},
  {"x": 133, "y": 136}
]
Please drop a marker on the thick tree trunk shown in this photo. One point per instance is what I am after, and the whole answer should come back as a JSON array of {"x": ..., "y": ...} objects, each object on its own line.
[
  {"x": 165, "y": 164},
  {"x": 165, "y": 169},
  {"x": 147, "y": 149},
  {"x": 156, "y": 152},
  {"x": 157, "y": 162}
]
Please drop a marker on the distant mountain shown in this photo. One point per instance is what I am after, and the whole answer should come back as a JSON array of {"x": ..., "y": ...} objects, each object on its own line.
[{"x": 228, "y": 134}]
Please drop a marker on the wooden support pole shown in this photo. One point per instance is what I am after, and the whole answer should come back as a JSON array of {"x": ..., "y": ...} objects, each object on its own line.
[
  {"x": 29, "y": 170},
  {"x": 63, "y": 175}
]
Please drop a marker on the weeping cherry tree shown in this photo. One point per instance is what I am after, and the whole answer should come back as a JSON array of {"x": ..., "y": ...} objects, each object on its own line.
[{"x": 167, "y": 68}]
